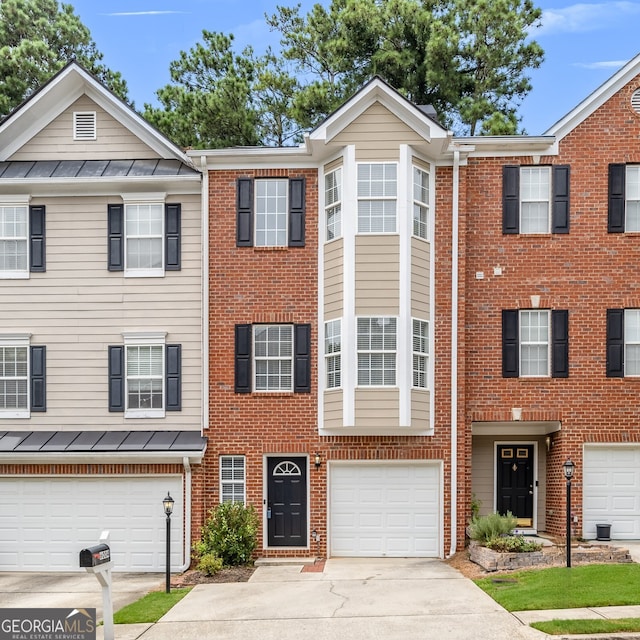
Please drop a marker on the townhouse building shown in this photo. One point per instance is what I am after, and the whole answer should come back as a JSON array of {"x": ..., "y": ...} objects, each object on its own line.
[{"x": 101, "y": 378}]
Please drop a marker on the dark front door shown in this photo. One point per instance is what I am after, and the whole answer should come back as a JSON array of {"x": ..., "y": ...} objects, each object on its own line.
[
  {"x": 287, "y": 502},
  {"x": 515, "y": 482}
]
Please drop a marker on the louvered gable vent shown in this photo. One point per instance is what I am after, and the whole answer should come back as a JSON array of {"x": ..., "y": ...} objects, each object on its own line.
[
  {"x": 635, "y": 101},
  {"x": 84, "y": 125}
]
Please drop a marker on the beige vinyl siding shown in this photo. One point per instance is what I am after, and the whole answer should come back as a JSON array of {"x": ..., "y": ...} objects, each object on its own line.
[
  {"x": 334, "y": 164},
  {"x": 55, "y": 141},
  {"x": 377, "y": 134},
  {"x": 420, "y": 409},
  {"x": 377, "y": 408},
  {"x": 483, "y": 474},
  {"x": 78, "y": 308},
  {"x": 377, "y": 275},
  {"x": 333, "y": 279},
  {"x": 420, "y": 278},
  {"x": 333, "y": 408}
]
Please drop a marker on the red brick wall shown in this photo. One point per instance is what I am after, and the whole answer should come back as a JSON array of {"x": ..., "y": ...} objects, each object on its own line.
[{"x": 586, "y": 272}]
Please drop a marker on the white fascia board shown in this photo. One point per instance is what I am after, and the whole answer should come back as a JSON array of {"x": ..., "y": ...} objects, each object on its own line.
[
  {"x": 250, "y": 157},
  {"x": 107, "y": 457},
  {"x": 504, "y": 146}
]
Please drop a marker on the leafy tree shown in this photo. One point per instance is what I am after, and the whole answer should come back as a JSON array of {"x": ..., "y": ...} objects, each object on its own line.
[{"x": 37, "y": 38}]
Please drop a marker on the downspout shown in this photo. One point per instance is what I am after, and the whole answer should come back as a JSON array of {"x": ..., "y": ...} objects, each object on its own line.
[
  {"x": 204, "y": 287},
  {"x": 454, "y": 351},
  {"x": 187, "y": 515}
]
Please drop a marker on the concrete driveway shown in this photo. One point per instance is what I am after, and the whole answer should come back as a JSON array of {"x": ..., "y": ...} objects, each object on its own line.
[
  {"x": 75, "y": 590},
  {"x": 352, "y": 598}
]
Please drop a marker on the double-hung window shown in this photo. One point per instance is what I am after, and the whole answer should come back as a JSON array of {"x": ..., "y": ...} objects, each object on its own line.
[
  {"x": 376, "y": 340},
  {"x": 377, "y": 197},
  {"x": 535, "y": 199},
  {"x": 22, "y": 240},
  {"x": 623, "y": 343},
  {"x": 271, "y": 213},
  {"x": 420, "y": 353},
  {"x": 333, "y": 353},
  {"x": 22, "y": 377},
  {"x": 232, "y": 479},
  {"x": 145, "y": 376},
  {"x": 333, "y": 204},
  {"x": 624, "y": 198},
  {"x": 273, "y": 353},
  {"x": 420, "y": 202},
  {"x": 535, "y": 343}
]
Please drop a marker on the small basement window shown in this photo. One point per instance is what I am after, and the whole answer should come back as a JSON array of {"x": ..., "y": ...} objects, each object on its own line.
[{"x": 84, "y": 125}]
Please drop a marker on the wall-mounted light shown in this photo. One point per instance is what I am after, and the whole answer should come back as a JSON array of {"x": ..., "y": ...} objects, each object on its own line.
[
  {"x": 547, "y": 441},
  {"x": 317, "y": 460}
]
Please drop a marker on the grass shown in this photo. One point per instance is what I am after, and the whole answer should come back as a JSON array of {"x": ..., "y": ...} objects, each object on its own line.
[
  {"x": 560, "y": 627},
  {"x": 593, "y": 585},
  {"x": 149, "y": 608}
]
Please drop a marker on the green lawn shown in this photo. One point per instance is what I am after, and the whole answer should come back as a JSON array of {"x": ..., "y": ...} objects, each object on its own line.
[
  {"x": 594, "y": 585},
  {"x": 149, "y": 608},
  {"x": 561, "y": 627}
]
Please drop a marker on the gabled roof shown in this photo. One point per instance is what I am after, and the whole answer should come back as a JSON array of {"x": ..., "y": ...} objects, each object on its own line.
[
  {"x": 377, "y": 90},
  {"x": 596, "y": 99},
  {"x": 69, "y": 84}
]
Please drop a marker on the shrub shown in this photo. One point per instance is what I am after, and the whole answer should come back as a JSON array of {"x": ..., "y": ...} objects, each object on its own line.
[
  {"x": 209, "y": 564},
  {"x": 487, "y": 528},
  {"x": 513, "y": 544},
  {"x": 229, "y": 533}
]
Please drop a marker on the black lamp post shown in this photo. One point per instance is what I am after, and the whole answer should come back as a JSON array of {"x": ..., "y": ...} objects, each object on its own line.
[
  {"x": 168, "y": 503},
  {"x": 568, "y": 468}
]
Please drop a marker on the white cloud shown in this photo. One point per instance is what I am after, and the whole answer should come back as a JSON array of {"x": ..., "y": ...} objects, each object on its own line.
[
  {"x": 583, "y": 17},
  {"x": 142, "y": 13},
  {"x": 603, "y": 64}
]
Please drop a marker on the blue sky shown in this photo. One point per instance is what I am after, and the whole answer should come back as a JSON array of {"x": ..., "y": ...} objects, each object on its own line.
[{"x": 584, "y": 43}]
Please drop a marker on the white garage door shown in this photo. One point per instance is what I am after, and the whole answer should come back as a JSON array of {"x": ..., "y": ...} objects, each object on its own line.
[
  {"x": 47, "y": 521},
  {"x": 385, "y": 510},
  {"x": 611, "y": 493}
]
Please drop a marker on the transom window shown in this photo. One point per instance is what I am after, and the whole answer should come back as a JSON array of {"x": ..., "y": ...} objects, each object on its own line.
[
  {"x": 535, "y": 196},
  {"x": 333, "y": 203},
  {"x": 145, "y": 377},
  {"x": 376, "y": 351},
  {"x": 273, "y": 353},
  {"x": 232, "y": 479},
  {"x": 534, "y": 343},
  {"x": 632, "y": 198},
  {"x": 420, "y": 353},
  {"x": 144, "y": 233},
  {"x": 271, "y": 212},
  {"x": 14, "y": 232},
  {"x": 377, "y": 195},
  {"x": 333, "y": 353},
  {"x": 420, "y": 202},
  {"x": 14, "y": 378}
]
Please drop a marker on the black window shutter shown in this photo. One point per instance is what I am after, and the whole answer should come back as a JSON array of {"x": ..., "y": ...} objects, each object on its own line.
[
  {"x": 116, "y": 378},
  {"x": 615, "y": 343},
  {"x": 560, "y": 344},
  {"x": 173, "y": 366},
  {"x": 37, "y": 253},
  {"x": 244, "y": 213},
  {"x": 243, "y": 358},
  {"x": 296, "y": 212},
  {"x": 38, "y": 378},
  {"x": 115, "y": 231},
  {"x": 510, "y": 199},
  {"x": 510, "y": 344},
  {"x": 617, "y": 174},
  {"x": 302, "y": 362},
  {"x": 172, "y": 223},
  {"x": 560, "y": 207}
]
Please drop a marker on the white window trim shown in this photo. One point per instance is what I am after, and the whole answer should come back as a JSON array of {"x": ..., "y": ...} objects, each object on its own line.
[
  {"x": 144, "y": 199},
  {"x": 627, "y": 200},
  {"x": 92, "y": 135},
  {"x": 333, "y": 205},
  {"x": 421, "y": 354},
  {"x": 234, "y": 482},
  {"x": 258, "y": 180},
  {"x": 18, "y": 201},
  {"x": 254, "y": 358},
  {"x": 385, "y": 351},
  {"x": 18, "y": 340},
  {"x": 377, "y": 198},
  {"x": 421, "y": 203},
  {"x": 144, "y": 339},
  {"x": 548, "y": 201},
  {"x": 548, "y": 343},
  {"x": 628, "y": 342},
  {"x": 328, "y": 356}
]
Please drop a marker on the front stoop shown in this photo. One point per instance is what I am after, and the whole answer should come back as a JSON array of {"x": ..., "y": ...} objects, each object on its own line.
[
  {"x": 282, "y": 562},
  {"x": 491, "y": 560}
]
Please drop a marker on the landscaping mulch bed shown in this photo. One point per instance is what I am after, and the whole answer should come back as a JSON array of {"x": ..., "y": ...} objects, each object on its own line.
[{"x": 227, "y": 574}]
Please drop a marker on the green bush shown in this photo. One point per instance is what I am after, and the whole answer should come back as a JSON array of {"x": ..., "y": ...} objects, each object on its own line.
[
  {"x": 209, "y": 564},
  {"x": 230, "y": 533},
  {"x": 488, "y": 528},
  {"x": 513, "y": 544}
]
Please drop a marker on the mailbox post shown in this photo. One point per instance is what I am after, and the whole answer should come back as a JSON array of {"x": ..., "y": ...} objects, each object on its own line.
[{"x": 97, "y": 560}]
